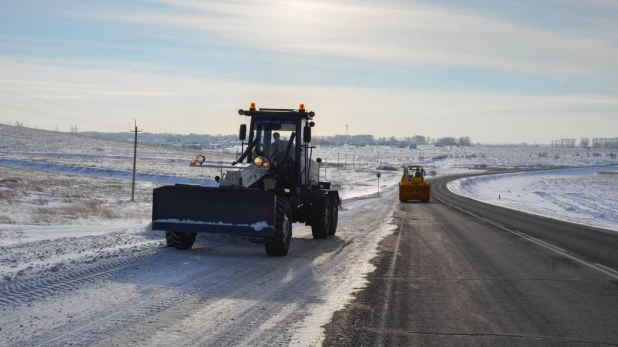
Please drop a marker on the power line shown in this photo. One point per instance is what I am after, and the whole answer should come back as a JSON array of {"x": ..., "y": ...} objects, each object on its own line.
[
  {"x": 59, "y": 104},
  {"x": 47, "y": 114},
  {"x": 73, "y": 107}
]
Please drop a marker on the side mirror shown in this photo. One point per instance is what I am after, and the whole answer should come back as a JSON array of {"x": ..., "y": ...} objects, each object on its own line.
[
  {"x": 307, "y": 134},
  {"x": 242, "y": 133},
  {"x": 319, "y": 160},
  {"x": 217, "y": 178}
]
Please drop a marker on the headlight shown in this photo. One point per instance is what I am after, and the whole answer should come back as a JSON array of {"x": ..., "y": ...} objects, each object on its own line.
[
  {"x": 261, "y": 162},
  {"x": 200, "y": 159}
]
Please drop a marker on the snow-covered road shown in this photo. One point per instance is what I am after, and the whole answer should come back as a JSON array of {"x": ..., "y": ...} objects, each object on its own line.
[{"x": 125, "y": 288}]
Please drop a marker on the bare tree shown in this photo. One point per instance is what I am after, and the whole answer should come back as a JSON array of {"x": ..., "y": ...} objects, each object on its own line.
[
  {"x": 73, "y": 129},
  {"x": 419, "y": 139},
  {"x": 564, "y": 143},
  {"x": 605, "y": 143},
  {"x": 584, "y": 142},
  {"x": 19, "y": 124}
]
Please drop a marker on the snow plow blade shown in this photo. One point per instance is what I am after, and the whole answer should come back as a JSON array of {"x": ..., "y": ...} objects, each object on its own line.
[{"x": 186, "y": 208}]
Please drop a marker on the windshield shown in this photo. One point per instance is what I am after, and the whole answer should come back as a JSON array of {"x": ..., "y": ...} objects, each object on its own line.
[
  {"x": 274, "y": 139},
  {"x": 415, "y": 172}
]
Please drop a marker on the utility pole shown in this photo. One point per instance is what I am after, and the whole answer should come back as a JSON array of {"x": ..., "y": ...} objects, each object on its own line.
[
  {"x": 337, "y": 161},
  {"x": 325, "y": 165},
  {"x": 134, "y": 159},
  {"x": 346, "y": 132}
]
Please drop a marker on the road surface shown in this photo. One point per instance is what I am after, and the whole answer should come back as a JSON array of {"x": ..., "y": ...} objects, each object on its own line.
[{"x": 448, "y": 277}]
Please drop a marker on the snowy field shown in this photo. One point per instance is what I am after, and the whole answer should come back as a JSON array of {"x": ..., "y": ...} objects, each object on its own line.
[{"x": 587, "y": 196}]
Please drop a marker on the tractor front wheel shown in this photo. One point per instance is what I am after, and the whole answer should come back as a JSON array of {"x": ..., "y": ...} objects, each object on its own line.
[
  {"x": 279, "y": 244},
  {"x": 180, "y": 240}
]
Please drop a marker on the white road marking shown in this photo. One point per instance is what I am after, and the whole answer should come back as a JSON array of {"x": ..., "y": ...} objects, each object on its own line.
[
  {"x": 534, "y": 239},
  {"x": 601, "y": 268},
  {"x": 607, "y": 268},
  {"x": 487, "y": 220}
]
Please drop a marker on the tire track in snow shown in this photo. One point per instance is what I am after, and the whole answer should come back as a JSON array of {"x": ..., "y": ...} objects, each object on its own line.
[
  {"x": 27, "y": 291},
  {"x": 276, "y": 300},
  {"x": 98, "y": 329}
]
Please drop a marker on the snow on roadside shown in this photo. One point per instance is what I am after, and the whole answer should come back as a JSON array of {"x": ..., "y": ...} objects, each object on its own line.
[
  {"x": 584, "y": 195},
  {"x": 29, "y": 197},
  {"x": 311, "y": 332},
  {"x": 360, "y": 182},
  {"x": 31, "y": 250}
]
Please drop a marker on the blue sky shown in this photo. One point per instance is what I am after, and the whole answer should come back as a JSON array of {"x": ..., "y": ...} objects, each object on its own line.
[{"x": 496, "y": 71}]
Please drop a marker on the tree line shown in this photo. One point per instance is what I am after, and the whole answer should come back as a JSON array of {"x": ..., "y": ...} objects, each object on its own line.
[
  {"x": 597, "y": 143},
  {"x": 408, "y": 141},
  {"x": 605, "y": 143}
]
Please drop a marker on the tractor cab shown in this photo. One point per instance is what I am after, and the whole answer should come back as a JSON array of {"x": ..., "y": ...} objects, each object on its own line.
[{"x": 281, "y": 157}]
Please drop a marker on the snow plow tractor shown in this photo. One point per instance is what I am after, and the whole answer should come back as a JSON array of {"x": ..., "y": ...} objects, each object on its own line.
[
  {"x": 276, "y": 184},
  {"x": 413, "y": 185}
]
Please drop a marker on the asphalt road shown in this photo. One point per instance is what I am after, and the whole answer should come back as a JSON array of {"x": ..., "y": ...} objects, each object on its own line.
[{"x": 447, "y": 277}]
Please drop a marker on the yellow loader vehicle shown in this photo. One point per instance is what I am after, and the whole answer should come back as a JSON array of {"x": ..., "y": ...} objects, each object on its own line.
[{"x": 413, "y": 185}]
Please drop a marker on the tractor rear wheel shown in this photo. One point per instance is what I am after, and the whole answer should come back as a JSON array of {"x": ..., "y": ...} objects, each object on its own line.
[
  {"x": 334, "y": 215},
  {"x": 279, "y": 244},
  {"x": 180, "y": 240},
  {"x": 320, "y": 224}
]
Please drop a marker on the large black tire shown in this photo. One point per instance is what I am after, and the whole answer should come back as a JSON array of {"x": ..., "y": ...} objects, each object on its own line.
[
  {"x": 180, "y": 240},
  {"x": 320, "y": 223},
  {"x": 278, "y": 245},
  {"x": 334, "y": 215}
]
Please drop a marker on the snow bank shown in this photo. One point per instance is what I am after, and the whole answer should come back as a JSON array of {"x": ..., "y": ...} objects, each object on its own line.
[{"x": 574, "y": 195}]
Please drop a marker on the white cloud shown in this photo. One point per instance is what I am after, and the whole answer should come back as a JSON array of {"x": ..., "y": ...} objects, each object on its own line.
[
  {"x": 403, "y": 33},
  {"x": 208, "y": 105}
]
